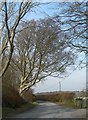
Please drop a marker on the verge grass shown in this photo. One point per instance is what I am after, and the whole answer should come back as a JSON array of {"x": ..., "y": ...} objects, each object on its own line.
[{"x": 7, "y": 112}]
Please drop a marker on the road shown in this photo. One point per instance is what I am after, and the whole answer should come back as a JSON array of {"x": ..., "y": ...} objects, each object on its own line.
[{"x": 51, "y": 110}]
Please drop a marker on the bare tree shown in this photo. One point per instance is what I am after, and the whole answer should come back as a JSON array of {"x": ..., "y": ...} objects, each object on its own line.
[
  {"x": 74, "y": 21},
  {"x": 40, "y": 51},
  {"x": 11, "y": 15}
]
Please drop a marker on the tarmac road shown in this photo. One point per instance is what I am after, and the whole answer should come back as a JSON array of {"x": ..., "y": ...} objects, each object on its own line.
[{"x": 51, "y": 110}]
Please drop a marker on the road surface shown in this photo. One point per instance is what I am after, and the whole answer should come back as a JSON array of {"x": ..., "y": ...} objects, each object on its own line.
[{"x": 51, "y": 110}]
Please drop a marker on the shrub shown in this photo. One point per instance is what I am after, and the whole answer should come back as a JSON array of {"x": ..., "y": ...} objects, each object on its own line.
[
  {"x": 11, "y": 97},
  {"x": 57, "y": 97},
  {"x": 29, "y": 96}
]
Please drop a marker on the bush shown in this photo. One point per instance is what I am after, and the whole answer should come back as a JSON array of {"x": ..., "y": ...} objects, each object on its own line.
[
  {"x": 29, "y": 96},
  {"x": 11, "y": 97},
  {"x": 57, "y": 97}
]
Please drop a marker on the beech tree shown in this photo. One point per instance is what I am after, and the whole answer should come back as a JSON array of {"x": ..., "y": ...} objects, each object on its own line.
[
  {"x": 40, "y": 51},
  {"x": 11, "y": 15},
  {"x": 74, "y": 21}
]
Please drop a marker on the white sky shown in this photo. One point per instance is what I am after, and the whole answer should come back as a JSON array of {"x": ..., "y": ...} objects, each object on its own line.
[{"x": 76, "y": 81}]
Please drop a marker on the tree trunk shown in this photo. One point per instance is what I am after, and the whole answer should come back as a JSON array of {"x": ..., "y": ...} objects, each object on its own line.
[{"x": 21, "y": 86}]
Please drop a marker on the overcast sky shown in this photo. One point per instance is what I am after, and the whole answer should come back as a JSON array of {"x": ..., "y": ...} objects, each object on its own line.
[{"x": 76, "y": 81}]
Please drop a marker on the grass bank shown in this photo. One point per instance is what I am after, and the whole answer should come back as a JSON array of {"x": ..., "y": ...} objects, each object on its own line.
[
  {"x": 7, "y": 112},
  {"x": 69, "y": 104}
]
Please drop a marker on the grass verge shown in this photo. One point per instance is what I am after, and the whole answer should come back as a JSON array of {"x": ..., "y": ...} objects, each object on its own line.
[
  {"x": 7, "y": 112},
  {"x": 69, "y": 104}
]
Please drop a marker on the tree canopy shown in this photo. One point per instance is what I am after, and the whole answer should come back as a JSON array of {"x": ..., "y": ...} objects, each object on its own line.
[
  {"x": 74, "y": 22},
  {"x": 11, "y": 15},
  {"x": 40, "y": 51}
]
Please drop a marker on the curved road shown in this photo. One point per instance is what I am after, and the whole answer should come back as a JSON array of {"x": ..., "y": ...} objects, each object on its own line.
[{"x": 51, "y": 110}]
